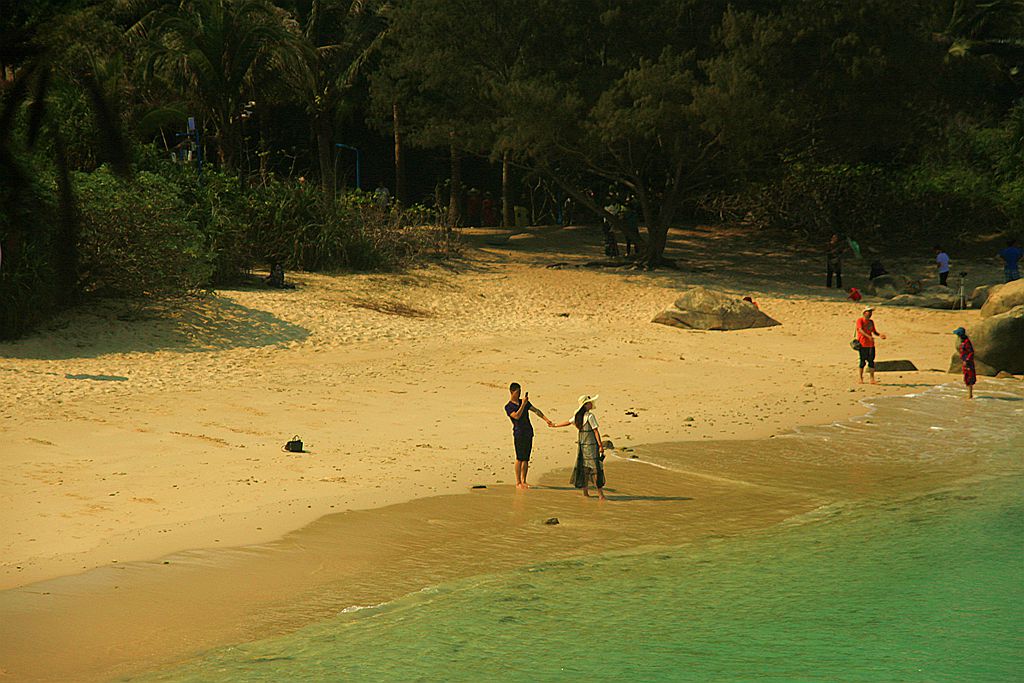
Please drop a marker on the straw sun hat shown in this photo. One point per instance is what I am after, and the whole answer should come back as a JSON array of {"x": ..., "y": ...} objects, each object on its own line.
[{"x": 587, "y": 398}]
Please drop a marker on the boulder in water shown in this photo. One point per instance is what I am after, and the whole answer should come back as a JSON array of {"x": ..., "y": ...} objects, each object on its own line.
[
  {"x": 1003, "y": 298},
  {"x": 700, "y": 308},
  {"x": 998, "y": 344}
]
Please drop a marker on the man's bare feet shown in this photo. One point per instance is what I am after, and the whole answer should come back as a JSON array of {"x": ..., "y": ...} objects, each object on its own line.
[
  {"x": 525, "y": 485},
  {"x": 586, "y": 494},
  {"x": 860, "y": 381},
  {"x": 519, "y": 485},
  {"x": 874, "y": 382}
]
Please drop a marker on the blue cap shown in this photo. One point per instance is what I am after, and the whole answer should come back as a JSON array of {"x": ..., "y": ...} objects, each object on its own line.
[{"x": 960, "y": 332}]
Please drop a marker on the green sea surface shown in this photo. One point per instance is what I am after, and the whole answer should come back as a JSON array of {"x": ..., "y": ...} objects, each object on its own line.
[{"x": 924, "y": 588}]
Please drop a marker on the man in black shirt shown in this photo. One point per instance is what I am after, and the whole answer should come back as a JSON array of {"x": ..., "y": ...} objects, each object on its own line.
[{"x": 518, "y": 410}]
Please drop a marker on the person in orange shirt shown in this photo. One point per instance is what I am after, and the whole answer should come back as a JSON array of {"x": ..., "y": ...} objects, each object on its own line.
[{"x": 866, "y": 332}]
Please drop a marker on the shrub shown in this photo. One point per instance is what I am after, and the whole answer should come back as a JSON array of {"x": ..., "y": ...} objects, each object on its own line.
[
  {"x": 28, "y": 279},
  {"x": 138, "y": 238}
]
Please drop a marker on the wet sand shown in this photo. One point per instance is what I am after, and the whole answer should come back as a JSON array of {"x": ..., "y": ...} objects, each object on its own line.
[{"x": 117, "y": 621}]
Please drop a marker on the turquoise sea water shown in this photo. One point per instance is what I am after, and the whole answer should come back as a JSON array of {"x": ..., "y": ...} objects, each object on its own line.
[{"x": 922, "y": 588}]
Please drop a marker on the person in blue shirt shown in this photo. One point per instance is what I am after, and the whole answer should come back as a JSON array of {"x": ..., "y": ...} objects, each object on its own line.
[
  {"x": 1012, "y": 255},
  {"x": 518, "y": 410}
]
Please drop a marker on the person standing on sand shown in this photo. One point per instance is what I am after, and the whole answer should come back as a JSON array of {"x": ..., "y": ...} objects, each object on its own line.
[
  {"x": 942, "y": 264},
  {"x": 866, "y": 332},
  {"x": 518, "y": 410},
  {"x": 1012, "y": 256},
  {"x": 966, "y": 349},
  {"x": 589, "y": 470},
  {"x": 834, "y": 260}
]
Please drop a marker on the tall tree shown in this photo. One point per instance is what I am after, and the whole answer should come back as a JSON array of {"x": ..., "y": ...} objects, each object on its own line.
[
  {"x": 334, "y": 41},
  {"x": 208, "y": 51}
]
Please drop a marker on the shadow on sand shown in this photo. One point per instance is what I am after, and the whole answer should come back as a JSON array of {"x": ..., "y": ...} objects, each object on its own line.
[{"x": 212, "y": 323}]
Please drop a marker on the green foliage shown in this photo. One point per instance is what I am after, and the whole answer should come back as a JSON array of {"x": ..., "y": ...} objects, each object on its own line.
[
  {"x": 138, "y": 238},
  {"x": 28, "y": 278}
]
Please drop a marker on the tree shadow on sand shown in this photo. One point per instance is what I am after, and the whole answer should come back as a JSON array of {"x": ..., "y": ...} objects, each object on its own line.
[{"x": 212, "y": 323}]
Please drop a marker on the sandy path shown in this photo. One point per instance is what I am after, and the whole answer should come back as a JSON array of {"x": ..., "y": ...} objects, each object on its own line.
[{"x": 127, "y": 440}]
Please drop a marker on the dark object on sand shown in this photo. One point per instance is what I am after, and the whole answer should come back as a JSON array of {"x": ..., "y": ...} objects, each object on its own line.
[
  {"x": 479, "y": 486},
  {"x": 551, "y": 520},
  {"x": 895, "y": 366},
  {"x": 295, "y": 445},
  {"x": 276, "y": 278}
]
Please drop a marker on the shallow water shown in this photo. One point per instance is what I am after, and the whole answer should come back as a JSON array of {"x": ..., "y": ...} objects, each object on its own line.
[{"x": 912, "y": 568}]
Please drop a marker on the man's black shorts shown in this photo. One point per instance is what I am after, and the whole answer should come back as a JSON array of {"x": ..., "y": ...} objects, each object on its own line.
[
  {"x": 867, "y": 356},
  {"x": 524, "y": 446}
]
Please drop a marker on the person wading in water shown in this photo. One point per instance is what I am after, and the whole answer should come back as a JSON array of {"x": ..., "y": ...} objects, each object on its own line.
[{"x": 589, "y": 470}]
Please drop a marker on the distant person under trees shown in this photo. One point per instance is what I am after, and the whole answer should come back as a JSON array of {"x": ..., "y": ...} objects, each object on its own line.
[
  {"x": 834, "y": 251},
  {"x": 942, "y": 264},
  {"x": 1012, "y": 255}
]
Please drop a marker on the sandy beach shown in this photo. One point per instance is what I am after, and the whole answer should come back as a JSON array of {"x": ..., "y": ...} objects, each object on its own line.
[{"x": 131, "y": 437}]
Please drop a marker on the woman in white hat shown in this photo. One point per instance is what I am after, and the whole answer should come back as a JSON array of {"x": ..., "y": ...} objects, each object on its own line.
[{"x": 590, "y": 450}]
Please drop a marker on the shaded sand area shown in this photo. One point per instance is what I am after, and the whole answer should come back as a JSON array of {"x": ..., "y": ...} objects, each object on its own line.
[{"x": 127, "y": 440}]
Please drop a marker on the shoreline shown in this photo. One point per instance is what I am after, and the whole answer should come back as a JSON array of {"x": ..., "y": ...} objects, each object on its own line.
[{"x": 128, "y": 619}]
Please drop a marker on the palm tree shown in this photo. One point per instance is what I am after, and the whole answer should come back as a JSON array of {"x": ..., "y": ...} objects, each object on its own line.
[
  {"x": 210, "y": 51},
  {"x": 334, "y": 39}
]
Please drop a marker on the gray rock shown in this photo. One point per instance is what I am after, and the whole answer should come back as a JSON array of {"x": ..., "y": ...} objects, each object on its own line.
[
  {"x": 700, "y": 308},
  {"x": 895, "y": 366},
  {"x": 887, "y": 286},
  {"x": 931, "y": 298},
  {"x": 1003, "y": 298},
  {"x": 998, "y": 344},
  {"x": 607, "y": 443},
  {"x": 956, "y": 367},
  {"x": 551, "y": 520},
  {"x": 1003, "y": 374},
  {"x": 980, "y": 294}
]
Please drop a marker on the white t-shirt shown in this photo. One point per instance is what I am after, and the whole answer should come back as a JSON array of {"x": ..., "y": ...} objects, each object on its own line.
[
  {"x": 588, "y": 419},
  {"x": 943, "y": 260}
]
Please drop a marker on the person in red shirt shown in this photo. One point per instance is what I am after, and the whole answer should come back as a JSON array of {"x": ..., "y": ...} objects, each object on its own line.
[
  {"x": 866, "y": 332},
  {"x": 966, "y": 349}
]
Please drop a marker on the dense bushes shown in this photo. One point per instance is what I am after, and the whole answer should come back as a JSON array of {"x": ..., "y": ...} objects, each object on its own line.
[
  {"x": 28, "y": 278},
  {"x": 970, "y": 182},
  {"x": 167, "y": 232},
  {"x": 138, "y": 238}
]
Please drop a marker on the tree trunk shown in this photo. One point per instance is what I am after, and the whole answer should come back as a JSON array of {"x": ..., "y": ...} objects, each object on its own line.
[
  {"x": 264, "y": 151},
  {"x": 455, "y": 193},
  {"x": 399, "y": 156},
  {"x": 506, "y": 200},
  {"x": 654, "y": 254},
  {"x": 325, "y": 151}
]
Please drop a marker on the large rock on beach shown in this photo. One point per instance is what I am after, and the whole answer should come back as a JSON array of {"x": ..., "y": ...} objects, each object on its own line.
[
  {"x": 932, "y": 297},
  {"x": 998, "y": 344},
  {"x": 1003, "y": 298},
  {"x": 888, "y": 286},
  {"x": 700, "y": 308},
  {"x": 981, "y": 293}
]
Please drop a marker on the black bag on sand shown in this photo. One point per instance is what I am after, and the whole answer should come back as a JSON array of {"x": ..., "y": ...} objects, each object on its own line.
[{"x": 294, "y": 446}]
